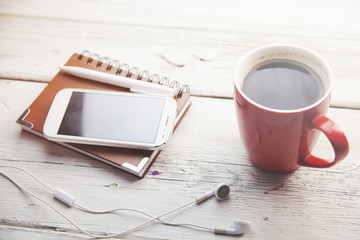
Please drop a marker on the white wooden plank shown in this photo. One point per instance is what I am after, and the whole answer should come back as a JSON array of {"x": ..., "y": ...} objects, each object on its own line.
[
  {"x": 15, "y": 233},
  {"x": 32, "y": 49},
  {"x": 303, "y": 18},
  {"x": 205, "y": 150},
  {"x": 199, "y": 44}
]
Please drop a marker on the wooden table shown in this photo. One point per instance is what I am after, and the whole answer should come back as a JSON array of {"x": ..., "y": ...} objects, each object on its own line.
[{"x": 197, "y": 43}]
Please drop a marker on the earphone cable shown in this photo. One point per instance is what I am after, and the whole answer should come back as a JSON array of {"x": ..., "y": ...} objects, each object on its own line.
[
  {"x": 148, "y": 215},
  {"x": 50, "y": 205},
  {"x": 103, "y": 212},
  {"x": 33, "y": 176}
]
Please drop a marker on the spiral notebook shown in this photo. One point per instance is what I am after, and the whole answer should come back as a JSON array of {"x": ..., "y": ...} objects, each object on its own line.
[{"x": 136, "y": 162}]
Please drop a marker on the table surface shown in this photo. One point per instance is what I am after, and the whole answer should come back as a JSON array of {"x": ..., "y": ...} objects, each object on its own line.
[{"x": 197, "y": 43}]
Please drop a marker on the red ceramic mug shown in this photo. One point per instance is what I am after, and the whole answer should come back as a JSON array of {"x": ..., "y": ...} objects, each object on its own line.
[{"x": 282, "y": 140}]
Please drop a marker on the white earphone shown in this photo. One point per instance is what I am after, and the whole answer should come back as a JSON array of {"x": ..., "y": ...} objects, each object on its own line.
[
  {"x": 240, "y": 227},
  {"x": 221, "y": 192}
]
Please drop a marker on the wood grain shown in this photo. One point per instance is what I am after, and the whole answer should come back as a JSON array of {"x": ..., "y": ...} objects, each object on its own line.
[
  {"x": 208, "y": 52},
  {"x": 197, "y": 43},
  {"x": 277, "y": 204}
]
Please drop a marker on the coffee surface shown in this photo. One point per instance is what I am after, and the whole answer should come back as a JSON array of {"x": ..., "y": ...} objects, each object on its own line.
[{"x": 283, "y": 85}]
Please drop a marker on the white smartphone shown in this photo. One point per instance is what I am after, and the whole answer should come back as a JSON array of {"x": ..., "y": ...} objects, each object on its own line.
[{"x": 110, "y": 119}]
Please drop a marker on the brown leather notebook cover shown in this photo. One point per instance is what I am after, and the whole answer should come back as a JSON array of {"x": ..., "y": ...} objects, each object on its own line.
[{"x": 136, "y": 162}]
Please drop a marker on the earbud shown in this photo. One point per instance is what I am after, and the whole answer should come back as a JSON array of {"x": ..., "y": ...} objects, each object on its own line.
[
  {"x": 240, "y": 227},
  {"x": 221, "y": 191}
]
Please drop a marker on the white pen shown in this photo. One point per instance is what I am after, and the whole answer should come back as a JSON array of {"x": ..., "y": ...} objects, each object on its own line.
[{"x": 132, "y": 84}]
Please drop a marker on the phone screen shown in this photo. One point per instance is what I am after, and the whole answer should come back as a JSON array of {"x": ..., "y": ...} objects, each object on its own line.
[{"x": 107, "y": 116}]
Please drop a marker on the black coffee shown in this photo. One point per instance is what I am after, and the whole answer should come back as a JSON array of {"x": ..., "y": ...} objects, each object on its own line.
[{"x": 283, "y": 85}]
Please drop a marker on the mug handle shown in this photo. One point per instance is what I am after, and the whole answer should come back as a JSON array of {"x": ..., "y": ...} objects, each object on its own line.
[{"x": 337, "y": 139}]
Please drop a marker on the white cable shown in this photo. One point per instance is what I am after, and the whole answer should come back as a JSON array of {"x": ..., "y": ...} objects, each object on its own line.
[
  {"x": 146, "y": 214},
  {"x": 50, "y": 205},
  {"x": 102, "y": 212},
  {"x": 33, "y": 176}
]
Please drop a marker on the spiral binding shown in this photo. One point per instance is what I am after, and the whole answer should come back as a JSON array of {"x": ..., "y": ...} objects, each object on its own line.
[{"x": 144, "y": 74}]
